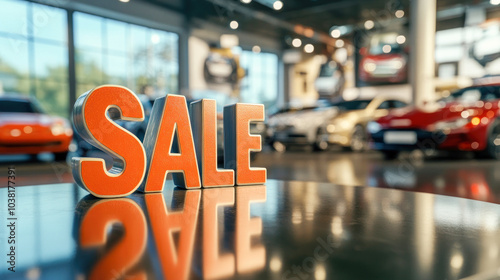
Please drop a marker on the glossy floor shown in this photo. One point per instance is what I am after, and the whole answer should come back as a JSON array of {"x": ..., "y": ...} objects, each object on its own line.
[
  {"x": 283, "y": 230},
  {"x": 460, "y": 176}
]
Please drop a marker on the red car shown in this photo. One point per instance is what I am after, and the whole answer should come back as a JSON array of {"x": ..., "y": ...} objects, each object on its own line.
[
  {"x": 384, "y": 60},
  {"x": 26, "y": 129},
  {"x": 467, "y": 120}
]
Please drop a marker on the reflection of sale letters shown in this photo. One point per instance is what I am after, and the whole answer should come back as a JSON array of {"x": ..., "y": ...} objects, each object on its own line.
[{"x": 177, "y": 140}]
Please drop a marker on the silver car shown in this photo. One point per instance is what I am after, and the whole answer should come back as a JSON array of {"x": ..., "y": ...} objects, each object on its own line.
[{"x": 299, "y": 126}]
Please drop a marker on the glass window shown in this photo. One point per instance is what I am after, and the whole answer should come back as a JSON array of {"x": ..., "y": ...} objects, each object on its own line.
[
  {"x": 12, "y": 14},
  {"x": 124, "y": 54},
  {"x": 384, "y": 105},
  {"x": 49, "y": 23},
  {"x": 34, "y": 53},
  {"x": 260, "y": 84}
]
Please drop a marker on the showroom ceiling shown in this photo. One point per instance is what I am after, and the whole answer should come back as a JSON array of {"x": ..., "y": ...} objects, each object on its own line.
[{"x": 260, "y": 17}]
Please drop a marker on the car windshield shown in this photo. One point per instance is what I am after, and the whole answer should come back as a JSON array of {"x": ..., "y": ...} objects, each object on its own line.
[
  {"x": 18, "y": 106},
  {"x": 474, "y": 94},
  {"x": 353, "y": 105},
  {"x": 328, "y": 69}
]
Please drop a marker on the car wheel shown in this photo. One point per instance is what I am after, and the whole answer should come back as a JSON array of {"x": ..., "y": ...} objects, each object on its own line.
[
  {"x": 358, "y": 139},
  {"x": 390, "y": 155},
  {"x": 60, "y": 156},
  {"x": 279, "y": 147},
  {"x": 321, "y": 142},
  {"x": 493, "y": 145}
]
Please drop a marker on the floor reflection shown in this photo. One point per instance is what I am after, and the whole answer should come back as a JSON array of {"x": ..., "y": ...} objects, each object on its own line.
[
  {"x": 287, "y": 230},
  {"x": 459, "y": 176}
]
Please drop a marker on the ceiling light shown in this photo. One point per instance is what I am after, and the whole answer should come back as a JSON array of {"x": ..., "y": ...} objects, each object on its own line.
[
  {"x": 339, "y": 43},
  {"x": 399, "y": 13},
  {"x": 309, "y": 48},
  {"x": 234, "y": 24},
  {"x": 124, "y": 1},
  {"x": 256, "y": 49},
  {"x": 494, "y": 2},
  {"x": 277, "y": 5},
  {"x": 335, "y": 33},
  {"x": 369, "y": 24},
  {"x": 297, "y": 42},
  {"x": 401, "y": 39},
  {"x": 246, "y": 1}
]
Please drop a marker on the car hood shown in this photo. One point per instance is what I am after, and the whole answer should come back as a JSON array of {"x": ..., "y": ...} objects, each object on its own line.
[
  {"x": 26, "y": 119},
  {"x": 411, "y": 117},
  {"x": 312, "y": 117}
]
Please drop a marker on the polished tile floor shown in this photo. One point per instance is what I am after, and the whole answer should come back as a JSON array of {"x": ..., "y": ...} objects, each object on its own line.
[{"x": 460, "y": 175}]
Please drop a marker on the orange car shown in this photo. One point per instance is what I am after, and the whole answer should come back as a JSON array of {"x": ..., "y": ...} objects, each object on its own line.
[{"x": 26, "y": 129}]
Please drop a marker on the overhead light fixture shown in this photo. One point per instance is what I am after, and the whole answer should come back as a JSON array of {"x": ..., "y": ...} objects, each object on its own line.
[
  {"x": 401, "y": 39},
  {"x": 369, "y": 24},
  {"x": 277, "y": 5},
  {"x": 246, "y": 1},
  {"x": 309, "y": 48},
  {"x": 124, "y": 1},
  {"x": 494, "y": 2},
  {"x": 233, "y": 24},
  {"x": 335, "y": 33},
  {"x": 256, "y": 49},
  {"x": 399, "y": 13},
  {"x": 296, "y": 42},
  {"x": 339, "y": 43}
]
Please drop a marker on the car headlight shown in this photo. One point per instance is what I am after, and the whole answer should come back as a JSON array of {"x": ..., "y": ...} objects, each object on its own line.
[
  {"x": 369, "y": 66},
  {"x": 448, "y": 125},
  {"x": 59, "y": 128},
  {"x": 397, "y": 63},
  {"x": 373, "y": 127},
  {"x": 258, "y": 128}
]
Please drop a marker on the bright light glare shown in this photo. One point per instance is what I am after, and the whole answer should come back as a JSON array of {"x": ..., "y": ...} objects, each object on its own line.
[
  {"x": 339, "y": 43},
  {"x": 246, "y": 1},
  {"x": 297, "y": 42},
  {"x": 386, "y": 48},
  {"x": 335, "y": 33},
  {"x": 234, "y": 24},
  {"x": 369, "y": 24},
  {"x": 277, "y": 5},
  {"x": 494, "y": 2},
  {"x": 275, "y": 264},
  {"x": 309, "y": 48},
  {"x": 401, "y": 39},
  {"x": 155, "y": 39}
]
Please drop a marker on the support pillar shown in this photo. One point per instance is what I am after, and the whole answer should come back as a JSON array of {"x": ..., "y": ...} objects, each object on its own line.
[{"x": 422, "y": 40}]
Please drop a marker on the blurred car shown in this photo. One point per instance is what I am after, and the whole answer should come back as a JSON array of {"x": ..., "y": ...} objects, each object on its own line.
[
  {"x": 330, "y": 81},
  {"x": 299, "y": 126},
  {"x": 384, "y": 60},
  {"x": 348, "y": 127},
  {"x": 467, "y": 120},
  {"x": 26, "y": 129}
]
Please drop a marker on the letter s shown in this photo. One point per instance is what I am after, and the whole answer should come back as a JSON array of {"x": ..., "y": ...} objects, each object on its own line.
[{"x": 93, "y": 117}]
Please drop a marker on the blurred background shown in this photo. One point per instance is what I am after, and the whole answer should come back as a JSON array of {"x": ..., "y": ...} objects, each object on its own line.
[{"x": 372, "y": 93}]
